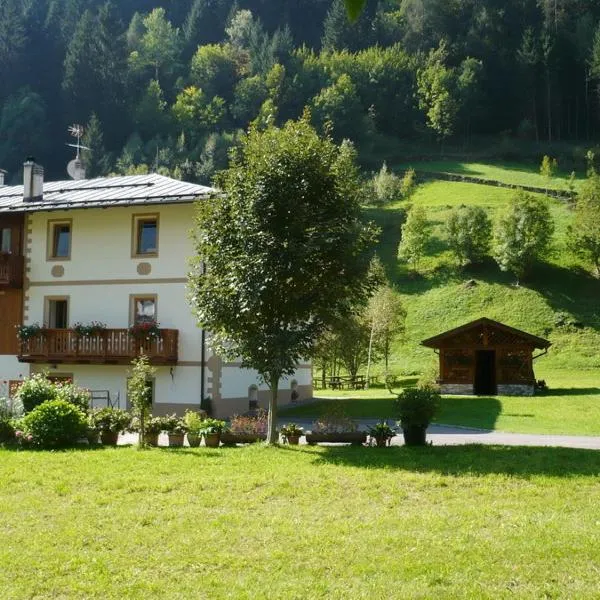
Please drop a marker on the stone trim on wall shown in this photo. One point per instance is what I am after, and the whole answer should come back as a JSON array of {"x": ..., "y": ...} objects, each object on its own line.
[
  {"x": 515, "y": 389},
  {"x": 457, "y": 389}
]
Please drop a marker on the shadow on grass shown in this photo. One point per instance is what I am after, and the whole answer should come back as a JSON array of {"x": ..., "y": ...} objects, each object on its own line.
[
  {"x": 478, "y": 460},
  {"x": 470, "y": 411},
  {"x": 390, "y": 222},
  {"x": 592, "y": 391}
]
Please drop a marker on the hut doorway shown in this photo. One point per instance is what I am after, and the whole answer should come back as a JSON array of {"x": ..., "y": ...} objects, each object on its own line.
[{"x": 485, "y": 372}]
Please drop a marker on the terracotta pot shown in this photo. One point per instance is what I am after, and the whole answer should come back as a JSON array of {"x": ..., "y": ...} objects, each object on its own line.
[
  {"x": 292, "y": 440},
  {"x": 356, "y": 438},
  {"x": 212, "y": 440},
  {"x": 415, "y": 435},
  {"x": 176, "y": 439},
  {"x": 152, "y": 439},
  {"x": 109, "y": 438},
  {"x": 193, "y": 440}
]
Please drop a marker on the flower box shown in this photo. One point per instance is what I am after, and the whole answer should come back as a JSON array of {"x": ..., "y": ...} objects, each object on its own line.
[
  {"x": 356, "y": 438},
  {"x": 230, "y": 439}
]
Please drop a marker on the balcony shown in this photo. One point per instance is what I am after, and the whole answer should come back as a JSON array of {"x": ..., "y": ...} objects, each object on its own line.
[
  {"x": 11, "y": 270},
  {"x": 110, "y": 347}
]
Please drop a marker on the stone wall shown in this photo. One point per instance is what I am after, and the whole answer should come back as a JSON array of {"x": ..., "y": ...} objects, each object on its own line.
[
  {"x": 462, "y": 389},
  {"x": 515, "y": 389}
]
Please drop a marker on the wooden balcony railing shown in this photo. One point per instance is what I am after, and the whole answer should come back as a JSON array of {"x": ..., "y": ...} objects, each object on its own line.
[
  {"x": 112, "y": 346},
  {"x": 11, "y": 270}
]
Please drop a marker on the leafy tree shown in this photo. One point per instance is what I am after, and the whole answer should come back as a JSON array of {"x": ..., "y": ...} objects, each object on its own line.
[
  {"x": 139, "y": 394},
  {"x": 285, "y": 249},
  {"x": 196, "y": 114},
  {"x": 387, "y": 317},
  {"x": 469, "y": 231},
  {"x": 415, "y": 235},
  {"x": 159, "y": 47},
  {"x": 352, "y": 342},
  {"x": 150, "y": 114},
  {"x": 584, "y": 232},
  {"x": 548, "y": 169},
  {"x": 409, "y": 184},
  {"x": 523, "y": 234},
  {"x": 387, "y": 186},
  {"x": 214, "y": 69},
  {"x": 436, "y": 92},
  {"x": 250, "y": 93},
  {"x": 339, "y": 105}
]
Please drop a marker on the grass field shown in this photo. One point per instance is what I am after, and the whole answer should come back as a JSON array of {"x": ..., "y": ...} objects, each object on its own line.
[
  {"x": 256, "y": 522},
  {"x": 572, "y": 406},
  {"x": 510, "y": 173}
]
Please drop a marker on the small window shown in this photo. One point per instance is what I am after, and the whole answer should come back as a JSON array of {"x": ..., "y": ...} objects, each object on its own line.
[
  {"x": 58, "y": 313},
  {"x": 144, "y": 309},
  {"x": 252, "y": 397},
  {"x": 146, "y": 235},
  {"x": 60, "y": 240},
  {"x": 6, "y": 240}
]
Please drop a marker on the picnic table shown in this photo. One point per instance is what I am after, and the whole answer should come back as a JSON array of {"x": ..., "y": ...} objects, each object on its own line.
[{"x": 350, "y": 383}]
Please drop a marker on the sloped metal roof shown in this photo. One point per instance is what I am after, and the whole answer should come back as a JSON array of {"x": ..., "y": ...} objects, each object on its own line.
[{"x": 103, "y": 192}]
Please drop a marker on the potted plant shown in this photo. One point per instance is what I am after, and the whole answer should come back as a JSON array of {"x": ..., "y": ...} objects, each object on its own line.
[
  {"x": 382, "y": 434},
  {"x": 211, "y": 430},
  {"x": 176, "y": 429},
  {"x": 193, "y": 423},
  {"x": 89, "y": 329},
  {"x": 336, "y": 427},
  {"x": 291, "y": 433},
  {"x": 27, "y": 332},
  {"x": 145, "y": 330},
  {"x": 246, "y": 429},
  {"x": 154, "y": 426},
  {"x": 416, "y": 408},
  {"x": 109, "y": 422}
]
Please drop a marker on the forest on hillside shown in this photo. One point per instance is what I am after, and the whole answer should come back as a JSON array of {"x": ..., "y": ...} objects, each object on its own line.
[{"x": 168, "y": 86}]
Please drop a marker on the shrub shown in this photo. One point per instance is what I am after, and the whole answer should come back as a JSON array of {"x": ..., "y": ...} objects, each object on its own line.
[
  {"x": 416, "y": 407},
  {"x": 253, "y": 425},
  {"x": 11, "y": 408},
  {"x": 193, "y": 421},
  {"x": 110, "y": 419},
  {"x": 77, "y": 396},
  {"x": 212, "y": 426},
  {"x": 334, "y": 420},
  {"x": 7, "y": 430},
  {"x": 35, "y": 390},
  {"x": 469, "y": 231},
  {"x": 55, "y": 424}
]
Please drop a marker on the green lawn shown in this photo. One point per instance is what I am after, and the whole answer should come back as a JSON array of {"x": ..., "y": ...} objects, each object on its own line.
[
  {"x": 256, "y": 522},
  {"x": 509, "y": 173},
  {"x": 572, "y": 406}
]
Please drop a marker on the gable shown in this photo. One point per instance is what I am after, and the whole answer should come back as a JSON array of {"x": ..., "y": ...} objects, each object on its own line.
[{"x": 485, "y": 332}]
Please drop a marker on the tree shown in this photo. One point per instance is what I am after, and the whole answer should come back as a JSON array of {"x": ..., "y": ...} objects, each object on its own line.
[
  {"x": 285, "y": 248},
  {"x": 196, "y": 114},
  {"x": 96, "y": 160},
  {"x": 353, "y": 335},
  {"x": 387, "y": 316},
  {"x": 548, "y": 169},
  {"x": 584, "y": 232},
  {"x": 139, "y": 394},
  {"x": 523, "y": 234},
  {"x": 415, "y": 235},
  {"x": 214, "y": 69},
  {"x": 158, "y": 47},
  {"x": 387, "y": 186},
  {"x": 150, "y": 113},
  {"x": 469, "y": 231}
]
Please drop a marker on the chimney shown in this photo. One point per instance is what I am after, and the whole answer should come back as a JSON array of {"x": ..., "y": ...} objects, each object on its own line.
[
  {"x": 33, "y": 180},
  {"x": 2, "y": 174}
]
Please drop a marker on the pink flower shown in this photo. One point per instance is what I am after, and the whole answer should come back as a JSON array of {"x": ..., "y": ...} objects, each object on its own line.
[{"x": 18, "y": 434}]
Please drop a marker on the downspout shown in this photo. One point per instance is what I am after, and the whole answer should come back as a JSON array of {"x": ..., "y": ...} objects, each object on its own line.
[{"x": 202, "y": 352}]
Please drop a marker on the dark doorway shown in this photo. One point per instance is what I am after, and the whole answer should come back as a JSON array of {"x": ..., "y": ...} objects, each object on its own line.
[{"x": 485, "y": 372}]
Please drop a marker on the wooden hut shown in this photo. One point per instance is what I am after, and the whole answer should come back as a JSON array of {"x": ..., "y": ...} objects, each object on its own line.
[{"x": 487, "y": 357}]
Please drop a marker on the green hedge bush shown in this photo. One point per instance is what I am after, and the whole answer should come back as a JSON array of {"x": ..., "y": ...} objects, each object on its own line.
[
  {"x": 38, "y": 389},
  {"x": 55, "y": 424}
]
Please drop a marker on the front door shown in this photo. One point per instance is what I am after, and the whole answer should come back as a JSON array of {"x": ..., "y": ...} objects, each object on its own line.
[{"x": 485, "y": 372}]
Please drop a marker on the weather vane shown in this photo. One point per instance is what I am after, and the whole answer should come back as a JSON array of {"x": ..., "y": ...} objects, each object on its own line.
[{"x": 77, "y": 132}]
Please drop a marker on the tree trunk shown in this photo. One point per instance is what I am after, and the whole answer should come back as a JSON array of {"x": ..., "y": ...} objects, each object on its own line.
[
  {"x": 370, "y": 349},
  {"x": 272, "y": 435}
]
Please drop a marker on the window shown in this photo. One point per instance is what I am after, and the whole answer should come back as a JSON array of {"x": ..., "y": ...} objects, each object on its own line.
[
  {"x": 59, "y": 240},
  {"x": 6, "y": 240},
  {"x": 252, "y": 397},
  {"x": 143, "y": 309},
  {"x": 57, "y": 313},
  {"x": 145, "y": 235}
]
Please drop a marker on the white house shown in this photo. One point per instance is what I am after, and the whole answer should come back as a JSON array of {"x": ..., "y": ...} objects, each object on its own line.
[{"x": 115, "y": 251}]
